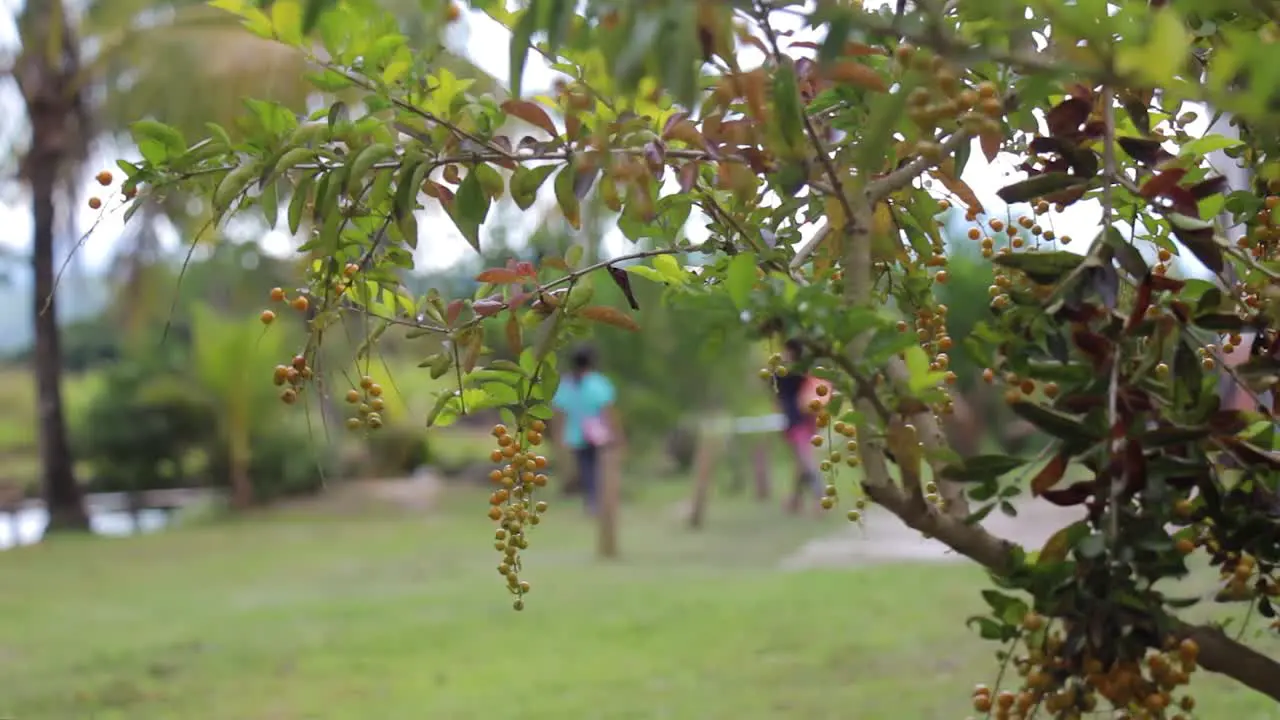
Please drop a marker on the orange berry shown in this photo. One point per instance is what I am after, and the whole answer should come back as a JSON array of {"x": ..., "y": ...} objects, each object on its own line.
[
  {"x": 95, "y": 203},
  {"x": 267, "y": 317},
  {"x": 277, "y": 294},
  {"x": 300, "y": 303},
  {"x": 104, "y": 178}
]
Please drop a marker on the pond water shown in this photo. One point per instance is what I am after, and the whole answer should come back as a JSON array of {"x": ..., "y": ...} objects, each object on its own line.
[{"x": 27, "y": 526}]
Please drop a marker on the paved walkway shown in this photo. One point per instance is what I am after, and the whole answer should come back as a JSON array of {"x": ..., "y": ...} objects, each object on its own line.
[{"x": 883, "y": 538}]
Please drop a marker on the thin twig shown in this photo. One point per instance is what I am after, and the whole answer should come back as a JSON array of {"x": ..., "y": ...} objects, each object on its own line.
[{"x": 1117, "y": 443}]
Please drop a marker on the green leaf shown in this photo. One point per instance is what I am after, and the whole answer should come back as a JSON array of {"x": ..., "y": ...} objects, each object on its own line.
[
  {"x": 886, "y": 111},
  {"x": 740, "y": 278},
  {"x": 567, "y": 198},
  {"x": 521, "y": 39},
  {"x": 1056, "y": 423},
  {"x": 648, "y": 273},
  {"x": 270, "y": 201},
  {"x": 398, "y": 66},
  {"x": 406, "y": 200},
  {"x": 1042, "y": 267},
  {"x": 312, "y": 12},
  {"x": 1038, "y": 186},
  {"x": 298, "y": 203},
  {"x": 363, "y": 162},
  {"x": 1208, "y": 144},
  {"x": 525, "y": 183},
  {"x": 1128, "y": 256},
  {"x": 786, "y": 100},
  {"x": 156, "y": 141},
  {"x": 470, "y": 207},
  {"x": 1164, "y": 53},
  {"x": 292, "y": 158},
  {"x": 669, "y": 268},
  {"x": 232, "y": 185},
  {"x": 980, "y": 468},
  {"x": 286, "y": 20},
  {"x": 918, "y": 365}
]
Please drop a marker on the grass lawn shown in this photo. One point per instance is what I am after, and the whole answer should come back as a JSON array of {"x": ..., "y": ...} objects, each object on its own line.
[{"x": 309, "y": 614}]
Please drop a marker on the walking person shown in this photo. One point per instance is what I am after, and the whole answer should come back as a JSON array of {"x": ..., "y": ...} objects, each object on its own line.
[
  {"x": 793, "y": 390},
  {"x": 589, "y": 422}
]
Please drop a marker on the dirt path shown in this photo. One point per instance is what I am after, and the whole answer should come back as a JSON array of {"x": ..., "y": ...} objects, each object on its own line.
[
  {"x": 415, "y": 493},
  {"x": 884, "y": 539}
]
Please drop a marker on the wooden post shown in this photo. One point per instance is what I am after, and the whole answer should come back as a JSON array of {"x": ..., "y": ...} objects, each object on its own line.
[
  {"x": 610, "y": 499},
  {"x": 704, "y": 465},
  {"x": 764, "y": 484}
]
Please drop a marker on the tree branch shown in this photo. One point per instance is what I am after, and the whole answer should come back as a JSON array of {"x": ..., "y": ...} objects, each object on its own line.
[{"x": 882, "y": 188}]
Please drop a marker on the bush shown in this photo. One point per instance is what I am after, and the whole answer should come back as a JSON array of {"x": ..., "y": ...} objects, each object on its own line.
[
  {"x": 139, "y": 429},
  {"x": 396, "y": 450},
  {"x": 286, "y": 462}
]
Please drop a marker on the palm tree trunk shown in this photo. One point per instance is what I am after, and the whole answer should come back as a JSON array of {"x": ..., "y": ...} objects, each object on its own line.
[
  {"x": 62, "y": 495},
  {"x": 46, "y": 75}
]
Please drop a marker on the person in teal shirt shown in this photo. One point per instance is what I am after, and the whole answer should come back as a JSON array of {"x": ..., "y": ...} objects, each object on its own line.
[{"x": 589, "y": 422}]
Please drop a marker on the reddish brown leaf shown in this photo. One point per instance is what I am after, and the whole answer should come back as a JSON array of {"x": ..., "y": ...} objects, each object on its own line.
[
  {"x": 609, "y": 316},
  {"x": 623, "y": 281},
  {"x": 1067, "y": 116},
  {"x": 504, "y": 142},
  {"x": 488, "y": 307},
  {"x": 961, "y": 190},
  {"x": 453, "y": 311},
  {"x": 852, "y": 72},
  {"x": 499, "y": 276},
  {"x": 675, "y": 119},
  {"x": 1097, "y": 347},
  {"x": 1227, "y": 422},
  {"x": 1081, "y": 92},
  {"x": 514, "y": 343},
  {"x": 474, "y": 346},
  {"x": 1074, "y": 494},
  {"x": 857, "y": 49},
  {"x": 1212, "y": 186},
  {"x": 1050, "y": 474},
  {"x": 991, "y": 142},
  {"x": 804, "y": 44},
  {"x": 531, "y": 114},
  {"x": 1147, "y": 152},
  {"x": 1164, "y": 283},
  {"x": 688, "y": 176},
  {"x": 1140, "y": 303},
  {"x": 1162, "y": 183}
]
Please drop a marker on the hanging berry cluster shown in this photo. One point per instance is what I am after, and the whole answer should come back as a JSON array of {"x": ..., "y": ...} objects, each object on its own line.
[
  {"x": 512, "y": 504},
  {"x": 1062, "y": 685}
]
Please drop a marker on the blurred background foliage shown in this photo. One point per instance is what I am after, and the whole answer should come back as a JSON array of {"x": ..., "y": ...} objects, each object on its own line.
[{"x": 169, "y": 371}]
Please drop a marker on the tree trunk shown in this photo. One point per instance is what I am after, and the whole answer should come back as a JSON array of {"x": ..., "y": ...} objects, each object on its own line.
[
  {"x": 46, "y": 74},
  {"x": 62, "y": 495}
]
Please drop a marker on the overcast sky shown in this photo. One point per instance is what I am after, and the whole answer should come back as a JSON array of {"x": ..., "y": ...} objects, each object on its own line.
[{"x": 441, "y": 244}]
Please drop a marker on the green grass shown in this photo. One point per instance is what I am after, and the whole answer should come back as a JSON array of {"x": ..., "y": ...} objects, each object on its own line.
[{"x": 331, "y": 615}]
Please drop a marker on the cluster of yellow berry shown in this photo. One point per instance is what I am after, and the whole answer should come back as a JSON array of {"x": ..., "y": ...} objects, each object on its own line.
[
  {"x": 512, "y": 504},
  {"x": 105, "y": 178},
  {"x": 945, "y": 100},
  {"x": 278, "y": 295},
  {"x": 930, "y": 327},
  {"x": 370, "y": 404},
  {"x": 841, "y": 441},
  {"x": 1264, "y": 238},
  {"x": 1019, "y": 388},
  {"x": 292, "y": 377},
  {"x": 1067, "y": 689}
]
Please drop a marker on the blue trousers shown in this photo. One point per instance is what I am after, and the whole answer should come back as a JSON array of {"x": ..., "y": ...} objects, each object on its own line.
[{"x": 588, "y": 460}]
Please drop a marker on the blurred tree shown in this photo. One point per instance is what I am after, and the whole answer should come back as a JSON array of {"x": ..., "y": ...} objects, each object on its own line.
[
  {"x": 228, "y": 354},
  {"x": 47, "y": 72}
]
